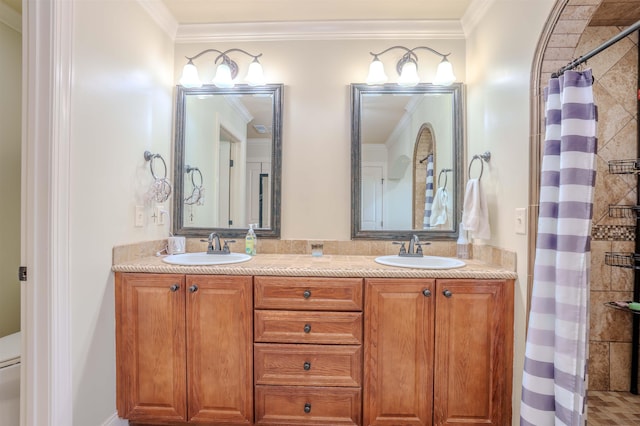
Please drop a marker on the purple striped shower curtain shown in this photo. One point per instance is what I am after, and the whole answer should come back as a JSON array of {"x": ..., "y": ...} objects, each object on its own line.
[
  {"x": 428, "y": 195},
  {"x": 555, "y": 365}
]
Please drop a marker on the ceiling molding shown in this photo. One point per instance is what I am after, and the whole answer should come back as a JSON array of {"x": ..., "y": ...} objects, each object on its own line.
[
  {"x": 161, "y": 15},
  {"x": 474, "y": 14},
  {"x": 10, "y": 17},
  {"x": 320, "y": 30}
]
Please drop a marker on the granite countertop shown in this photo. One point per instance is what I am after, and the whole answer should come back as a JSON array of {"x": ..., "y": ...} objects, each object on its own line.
[{"x": 323, "y": 266}]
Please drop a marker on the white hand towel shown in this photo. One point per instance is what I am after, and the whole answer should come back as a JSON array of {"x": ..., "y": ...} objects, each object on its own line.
[
  {"x": 428, "y": 196},
  {"x": 475, "y": 215},
  {"x": 439, "y": 208}
]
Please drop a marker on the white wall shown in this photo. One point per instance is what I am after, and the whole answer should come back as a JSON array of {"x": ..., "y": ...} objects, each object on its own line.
[
  {"x": 501, "y": 49},
  {"x": 121, "y": 105},
  {"x": 10, "y": 145},
  {"x": 316, "y": 124}
]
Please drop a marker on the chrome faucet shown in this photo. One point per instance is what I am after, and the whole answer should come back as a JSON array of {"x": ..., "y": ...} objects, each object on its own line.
[
  {"x": 415, "y": 247},
  {"x": 213, "y": 245}
]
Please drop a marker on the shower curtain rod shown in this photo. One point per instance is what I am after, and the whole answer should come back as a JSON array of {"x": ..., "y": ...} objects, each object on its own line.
[{"x": 571, "y": 65}]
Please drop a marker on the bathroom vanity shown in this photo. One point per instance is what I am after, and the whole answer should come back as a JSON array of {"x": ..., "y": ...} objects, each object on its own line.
[{"x": 295, "y": 340}]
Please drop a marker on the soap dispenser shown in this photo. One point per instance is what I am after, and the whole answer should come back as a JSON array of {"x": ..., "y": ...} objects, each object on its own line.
[
  {"x": 250, "y": 241},
  {"x": 462, "y": 245}
]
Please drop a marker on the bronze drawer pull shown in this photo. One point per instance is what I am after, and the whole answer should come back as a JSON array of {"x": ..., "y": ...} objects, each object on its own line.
[
  {"x": 307, "y": 366},
  {"x": 447, "y": 293},
  {"x": 174, "y": 288},
  {"x": 193, "y": 288},
  {"x": 307, "y": 328},
  {"x": 307, "y": 407},
  {"x": 306, "y": 294},
  {"x": 426, "y": 292}
]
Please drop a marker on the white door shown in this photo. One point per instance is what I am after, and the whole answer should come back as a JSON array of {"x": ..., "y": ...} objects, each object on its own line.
[
  {"x": 224, "y": 192},
  {"x": 371, "y": 196},
  {"x": 253, "y": 191}
]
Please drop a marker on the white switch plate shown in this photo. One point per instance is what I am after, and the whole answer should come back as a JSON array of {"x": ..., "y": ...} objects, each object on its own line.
[
  {"x": 521, "y": 221},
  {"x": 139, "y": 219}
]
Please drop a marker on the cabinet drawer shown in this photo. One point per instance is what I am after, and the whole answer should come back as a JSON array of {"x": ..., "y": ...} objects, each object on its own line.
[
  {"x": 307, "y": 365},
  {"x": 308, "y": 294},
  {"x": 295, "y": 405},
  {"x": 340, "y": 328}
]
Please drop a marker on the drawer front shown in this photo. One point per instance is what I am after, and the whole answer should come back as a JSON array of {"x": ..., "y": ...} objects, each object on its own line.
[
  {"x": 307, "y": 365},
  {"x": 308, "y": 293},
  {"x": 339, "y": 328},
  {"x": 294, "y": 405}
]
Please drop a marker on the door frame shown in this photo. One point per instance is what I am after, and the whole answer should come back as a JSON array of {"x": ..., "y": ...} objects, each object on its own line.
[{"x": 46, "y": 385}]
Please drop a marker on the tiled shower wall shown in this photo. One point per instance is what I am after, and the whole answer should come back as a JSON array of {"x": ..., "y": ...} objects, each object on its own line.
[{"x": 615, "y": 90}]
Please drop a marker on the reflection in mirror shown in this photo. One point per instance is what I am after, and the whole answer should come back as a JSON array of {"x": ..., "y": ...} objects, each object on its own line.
[
  {"x": 228, "y": 160},
  {"x": 406, "y": 161}
]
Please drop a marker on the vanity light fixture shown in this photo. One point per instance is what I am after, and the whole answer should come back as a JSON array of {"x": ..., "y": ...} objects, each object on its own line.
[
  {"x": 407, "y": 68},
  {"x": 226, "y": 70}
]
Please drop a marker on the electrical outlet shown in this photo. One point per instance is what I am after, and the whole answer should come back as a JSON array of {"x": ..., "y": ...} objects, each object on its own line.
[
  {"x": 521, "y": 221},
  {"x": 139, "y": 218},
  {"x": 159, "y": 215}
]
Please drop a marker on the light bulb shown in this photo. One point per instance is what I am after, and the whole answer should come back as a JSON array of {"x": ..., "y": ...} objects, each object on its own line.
[
  {"x": 409, "y": 75},
  {"x": 444, "y": 73},
  {"x": 190, "y": 77},
  {"x": 255, "y": 77},
  {"x": 223, "y": 78},
  {"x": 376, "y": 72}
]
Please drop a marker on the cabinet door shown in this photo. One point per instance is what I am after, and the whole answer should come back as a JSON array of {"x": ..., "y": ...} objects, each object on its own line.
[
  {"x": 219, "y": 349},
  {"x": 150, "y": 318},
  {"x": 474, "y": 351},
  {"x": 398, "y": 352}
]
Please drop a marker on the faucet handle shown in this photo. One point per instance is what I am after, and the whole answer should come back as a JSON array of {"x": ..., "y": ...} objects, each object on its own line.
[
  {"x": 403, "y": 249},
  {"x": 225, "y": 247}
]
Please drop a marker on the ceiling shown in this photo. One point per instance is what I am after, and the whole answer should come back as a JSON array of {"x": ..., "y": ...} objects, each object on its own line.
[{"x": 226, "y": 11}]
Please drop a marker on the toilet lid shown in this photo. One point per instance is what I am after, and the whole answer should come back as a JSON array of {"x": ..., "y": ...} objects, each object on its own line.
[{"x": 10, "y": 349}]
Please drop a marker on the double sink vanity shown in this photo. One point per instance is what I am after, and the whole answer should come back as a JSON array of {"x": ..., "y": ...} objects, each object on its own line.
[
  {"x": 294, "y": 339},
  {"x": 285, "y": 339}
]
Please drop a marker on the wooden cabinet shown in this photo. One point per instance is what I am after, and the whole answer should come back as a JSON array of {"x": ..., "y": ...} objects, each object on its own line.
[
  {"x": 184, "y": 348},
  {"x": 438, "y": 352},
  {"x": 313, "y": 350},
  {"x": 308, "y": 351}
]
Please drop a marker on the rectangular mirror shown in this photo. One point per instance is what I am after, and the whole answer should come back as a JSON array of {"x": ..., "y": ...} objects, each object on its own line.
[
  {"x": 406, "y": 161},
  {"x": 228, "y": 160}
]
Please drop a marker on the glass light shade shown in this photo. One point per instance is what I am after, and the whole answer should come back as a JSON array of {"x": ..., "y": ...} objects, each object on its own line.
[
  {"x": 409, "y": 75},
  {"x": 376, "y": 73},
  {"x": 190, "y": 77},
  {"x": 223, "y": 78},
  {"x": 444, "y": 73},
  {"x": 255, "y": 77}
]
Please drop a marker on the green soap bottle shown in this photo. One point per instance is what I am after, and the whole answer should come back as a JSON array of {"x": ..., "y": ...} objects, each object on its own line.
[{"x": 250, "y": 241}]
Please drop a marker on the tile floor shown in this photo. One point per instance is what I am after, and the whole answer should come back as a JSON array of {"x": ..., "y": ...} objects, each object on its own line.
[{"x": 613, "y": 409}]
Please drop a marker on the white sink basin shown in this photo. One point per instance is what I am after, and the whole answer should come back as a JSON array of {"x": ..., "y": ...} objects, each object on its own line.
[
  {"x": 425, "y": 262},
  {"x": 202, "y": 258}
]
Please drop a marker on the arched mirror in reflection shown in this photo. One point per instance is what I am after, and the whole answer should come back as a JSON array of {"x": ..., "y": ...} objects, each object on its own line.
[
  {"x": 407, "y": 162},
  {"x": 228, "y": 160}
]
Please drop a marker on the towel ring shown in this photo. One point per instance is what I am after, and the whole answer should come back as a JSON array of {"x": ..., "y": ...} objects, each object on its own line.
[
  {"x": 148, "y": 156},
  {"x": 191, "y": 170},
  {"x": 445, "y": 171},
  {"x": 475, "y": 157},
  {"x": 482, "y": 157}
]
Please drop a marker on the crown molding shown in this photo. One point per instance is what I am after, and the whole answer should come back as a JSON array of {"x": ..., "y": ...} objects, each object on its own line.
[
  {"x": 10, "y": 17},
  {"x": 320, "y": 30},
  {"x": 161, "y": 15},
  {"x": 474, "y": 14}
]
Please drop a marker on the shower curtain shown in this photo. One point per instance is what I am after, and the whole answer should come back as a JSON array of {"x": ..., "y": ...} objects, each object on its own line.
[
  {"x": 555, "y": 365},
  {"x": 428, "y": 196}
]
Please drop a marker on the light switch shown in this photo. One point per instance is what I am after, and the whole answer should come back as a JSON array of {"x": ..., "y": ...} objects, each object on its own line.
[
  {"x": 139, "y": 219},
  {"x": 521, "y": 221}
]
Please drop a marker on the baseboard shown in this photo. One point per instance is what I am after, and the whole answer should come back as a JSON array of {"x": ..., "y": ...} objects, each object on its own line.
[{"x": 114, "y": 420}]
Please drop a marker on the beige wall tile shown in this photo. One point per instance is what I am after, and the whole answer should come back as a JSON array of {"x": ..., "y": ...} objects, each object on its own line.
[
  {"x": 598, "y": 366},
  {"x": 620, "y": 366}
]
